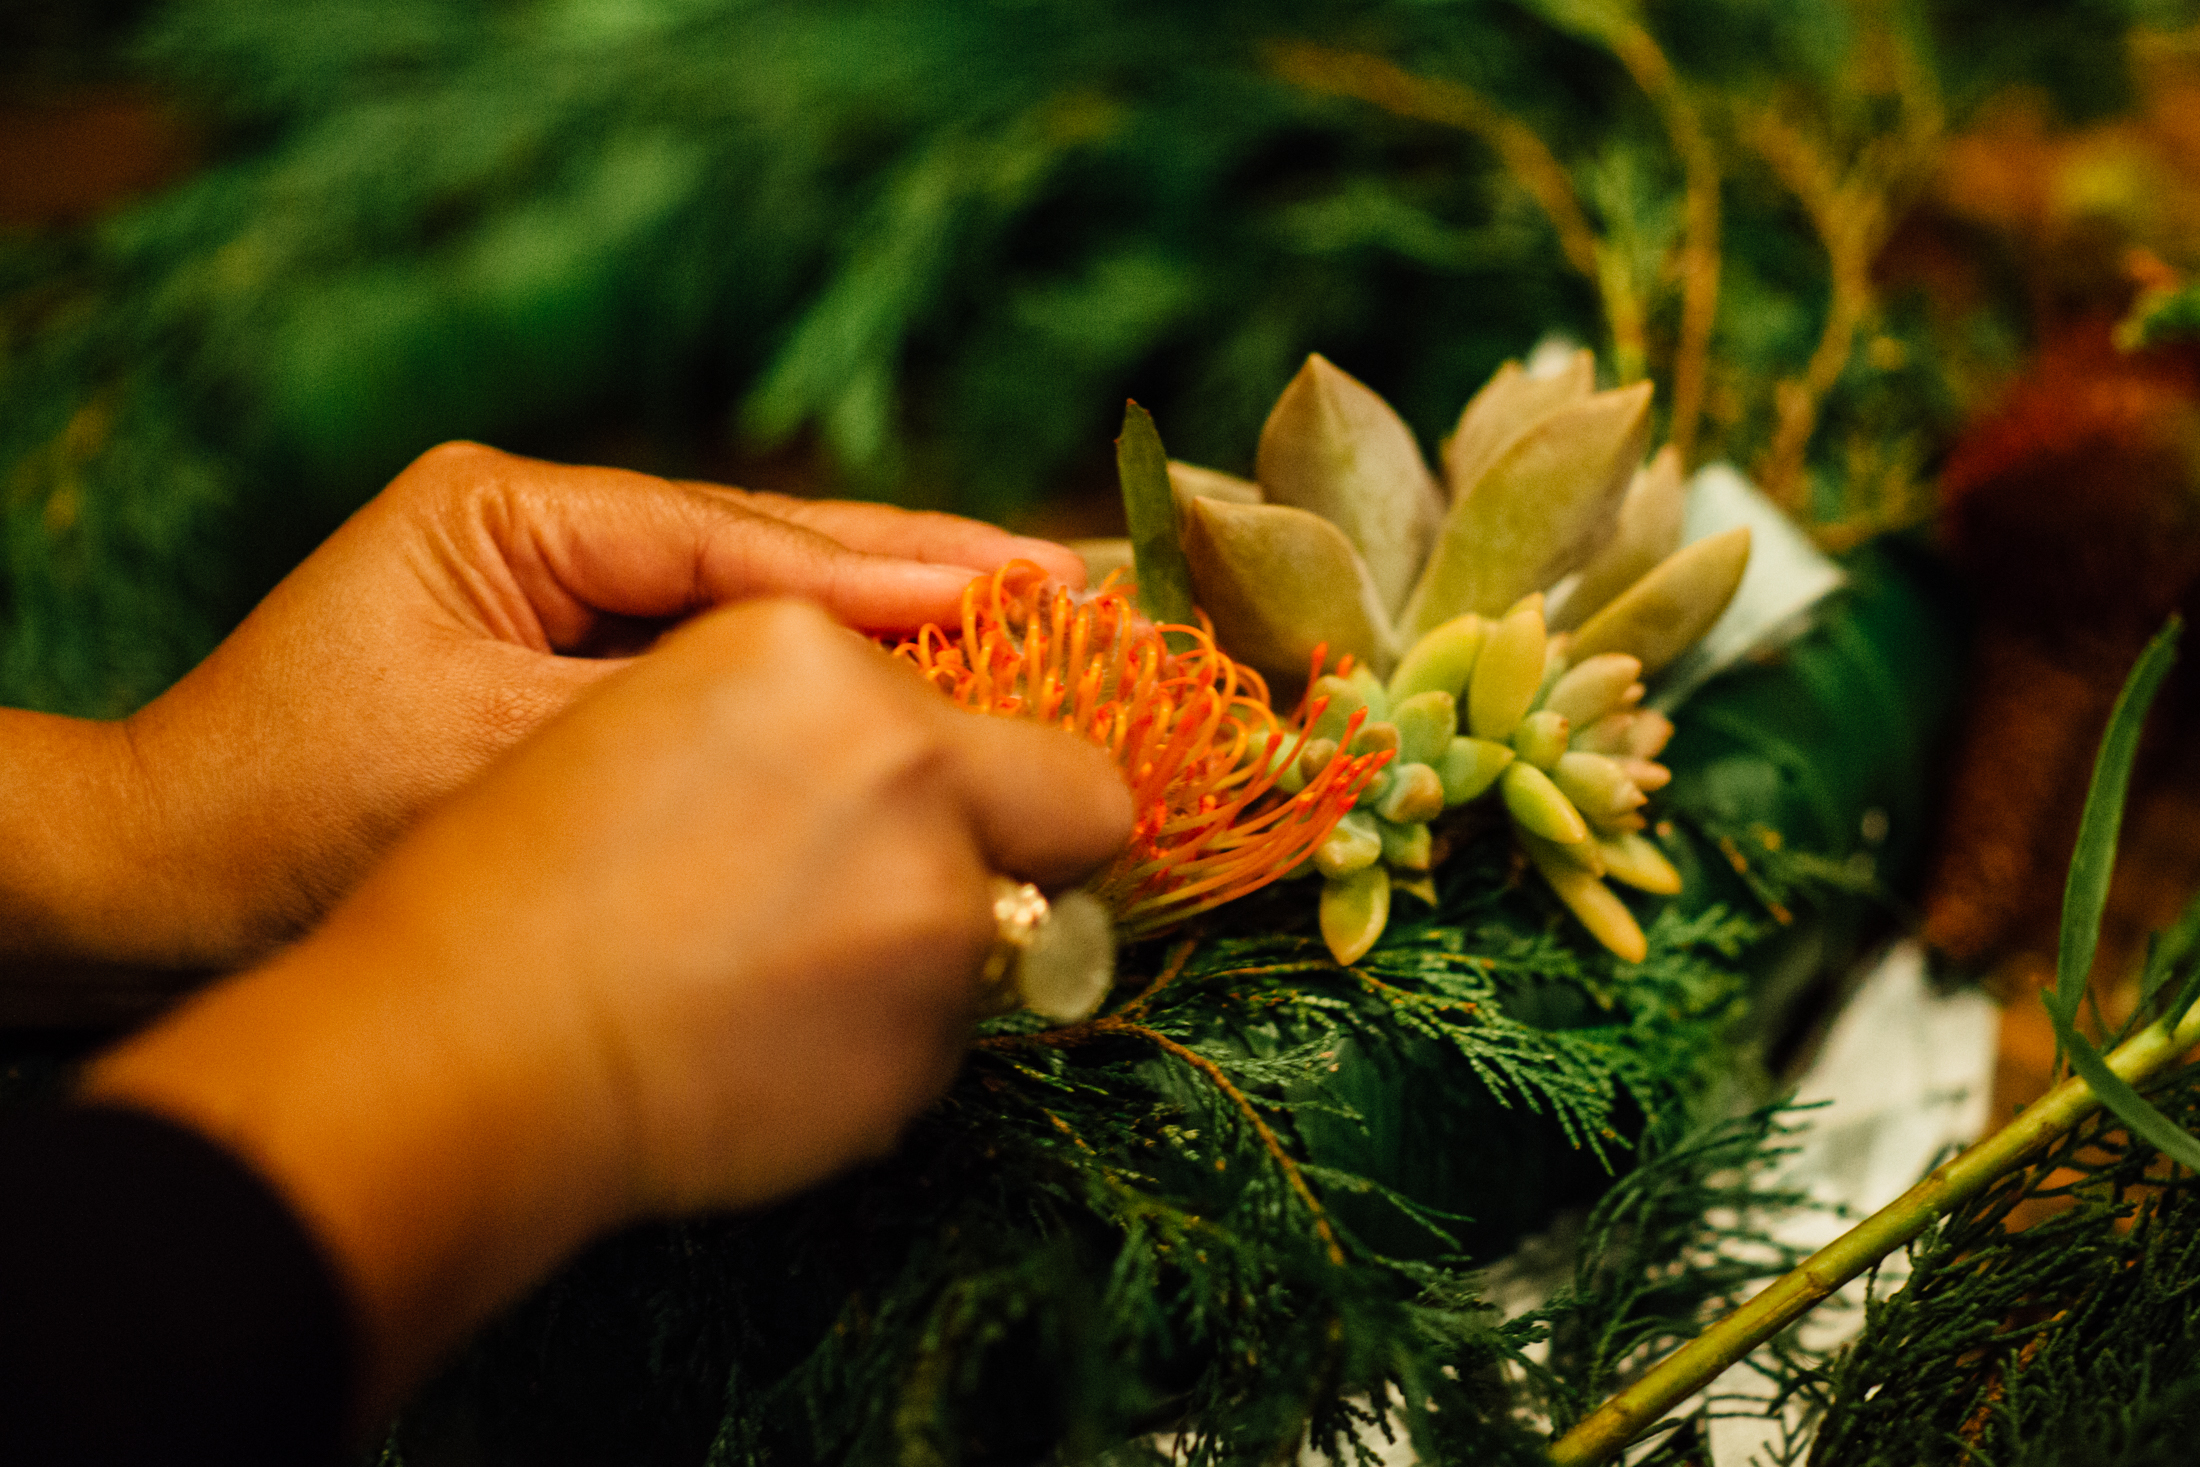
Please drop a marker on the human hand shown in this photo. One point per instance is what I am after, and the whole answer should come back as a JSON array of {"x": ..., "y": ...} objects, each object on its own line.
[
  {"x": 473, "y": 598},
  {"x": 707, "y": 937}
]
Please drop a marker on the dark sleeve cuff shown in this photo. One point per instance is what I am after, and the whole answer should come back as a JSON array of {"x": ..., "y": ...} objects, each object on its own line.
[{"x": 159, "y": 1303}]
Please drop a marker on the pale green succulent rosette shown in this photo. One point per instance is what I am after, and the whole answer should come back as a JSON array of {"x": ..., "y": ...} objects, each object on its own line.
[{"x": 1501, "y": 621}]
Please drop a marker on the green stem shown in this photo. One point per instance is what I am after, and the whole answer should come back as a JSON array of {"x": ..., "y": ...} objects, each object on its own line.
[{"x": 1599, "y": 1436}]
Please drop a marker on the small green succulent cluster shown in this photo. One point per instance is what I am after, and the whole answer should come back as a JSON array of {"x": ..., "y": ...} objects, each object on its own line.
[{"x": 1480, "y": 706}]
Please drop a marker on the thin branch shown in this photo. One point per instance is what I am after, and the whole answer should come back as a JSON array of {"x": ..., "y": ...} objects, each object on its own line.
[
  {"x": 1171, "y": 970},
  {"x": 1261, "y": 1128},
  {"x": 1606, "y": 1431},
  {"x": 1638, "y": 51},
  {"x": 1369, "y": 78},
  {"x": 1853, "y": 213}
]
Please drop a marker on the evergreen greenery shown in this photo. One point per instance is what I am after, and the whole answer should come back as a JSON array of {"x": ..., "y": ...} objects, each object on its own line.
[
  {"x": 1244, "y": 1205},
  {"x": 2073, "y": 1338},
  {"x": 937, "y": 243}
]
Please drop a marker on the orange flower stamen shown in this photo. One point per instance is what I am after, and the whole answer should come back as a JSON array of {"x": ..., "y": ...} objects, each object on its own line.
[{"x": 1192, "y": 732}]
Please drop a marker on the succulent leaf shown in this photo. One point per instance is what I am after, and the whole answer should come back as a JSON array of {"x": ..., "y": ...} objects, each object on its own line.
[
  {"x": 1543, "y": 506},
  {"x": 1443, "y": 660},
  {"x": 1597, "y": 785},
  {"x": 1470, "y": 766},
  {"x": 1656, "y": 618},
  {"x": 1594, "y": 687},
  {"x": 1333, "y": 447},
  {"x": 1379, "y": 737},
  {"x": 1541, "y": 738},
  {"x": 1509, "y": 404},
  {"x": 1538, "y": 806},
  {"x": 1649, "y": 530},
  {"x": 1426, "y": 723},
  {"x": 1407, "y": 846},
  {"x": 1354, "y": 845},
  {"x": 1415, "y": 796},
  {"x": 1594, "y": 903},
  {"x": 1354, "y": 911},
  {"x": 1277, "y": 582},
  {"x": 1315, "y": 754},
  {"x": 1191, "y": 481},
  {"x": 1509, "y": 673},
  {"x": 1586, "y": 854},
  {"x": 1636, "y": 860},
  {"x": 1340, "y": 699},
  {"x": 1421, "y": 886}
]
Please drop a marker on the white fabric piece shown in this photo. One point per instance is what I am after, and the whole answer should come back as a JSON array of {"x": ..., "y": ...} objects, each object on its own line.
[
  {"x": 1905, "y": 1077},
  {"x": 1787, "y": 576}
]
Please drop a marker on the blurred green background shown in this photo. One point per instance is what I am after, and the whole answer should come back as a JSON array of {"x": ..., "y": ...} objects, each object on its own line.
[{"x": 254, "y": 258}]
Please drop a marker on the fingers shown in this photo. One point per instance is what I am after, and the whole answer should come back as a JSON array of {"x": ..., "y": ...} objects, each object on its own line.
[
  {"x": 746, "y": 554},
  {"x": 1044, "y": 805},
  {"x": 943, "y": 539},
  {"x": 577, "y": 544}
]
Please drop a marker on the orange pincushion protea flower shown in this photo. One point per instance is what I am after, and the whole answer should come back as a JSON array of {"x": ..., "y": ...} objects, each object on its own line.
[{"x": 1191, "y": 731}]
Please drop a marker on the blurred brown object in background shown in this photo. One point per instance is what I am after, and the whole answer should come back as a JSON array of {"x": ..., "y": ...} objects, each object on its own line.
[
  {"x": 67, "y": 157},
  {"x": 2075, "y": 508}
]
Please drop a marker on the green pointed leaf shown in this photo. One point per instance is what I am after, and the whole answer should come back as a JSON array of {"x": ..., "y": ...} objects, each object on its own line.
[
  {"x": 1335, "y": 449},
  {"x": 1149, "y": 504},
  {"x": 1509, "y": 404},
  {"x": 1649, "y": 530},
  {"x": 1663, "y": 613},
  {"x": 1278, "y": 581},
  {"x": 2132, "y": 1108},
  {"x": 1547, "y": 501},
  {"x": 2085, "y": 895}
]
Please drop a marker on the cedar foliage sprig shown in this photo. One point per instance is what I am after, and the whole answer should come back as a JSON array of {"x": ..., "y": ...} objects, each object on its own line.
[
  {"x": 2074, "y": 1339},
  {"x": 1224, "y": 1209}
]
